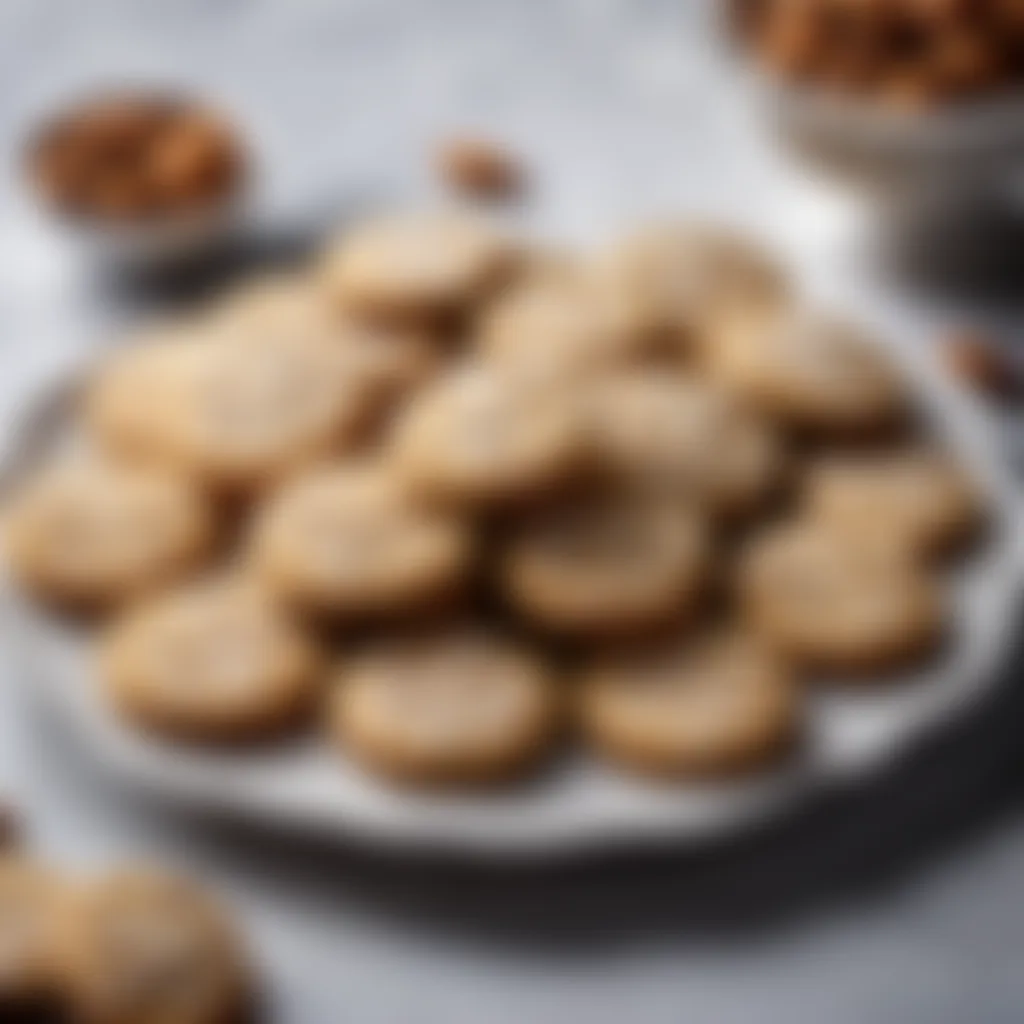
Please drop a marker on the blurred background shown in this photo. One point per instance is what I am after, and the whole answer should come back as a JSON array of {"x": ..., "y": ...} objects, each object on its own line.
[{"x": 899, "y": 903}]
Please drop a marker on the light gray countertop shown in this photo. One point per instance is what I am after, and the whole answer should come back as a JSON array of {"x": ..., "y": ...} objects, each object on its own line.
[{"x": 903, "y": 905}]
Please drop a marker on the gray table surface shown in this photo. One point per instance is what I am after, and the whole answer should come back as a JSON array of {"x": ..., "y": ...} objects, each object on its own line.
[{"x": 904, "y": 905}]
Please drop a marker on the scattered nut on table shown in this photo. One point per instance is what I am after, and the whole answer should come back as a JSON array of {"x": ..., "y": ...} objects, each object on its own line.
[{"x": 477, "y": 166}]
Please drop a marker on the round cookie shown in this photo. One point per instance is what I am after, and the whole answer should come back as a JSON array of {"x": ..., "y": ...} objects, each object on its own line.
[
  {"x": 916, "y": 498},
  {"x": 811, "y": 373},
  {"x": 31, "y": 900},
  {"x": 126, "y": 404},
  {"x": 210, "y": 661},
  {"x": 459, "y": 706},
  {"x": 481, "y": 437},
  {"x": 249, "y": 413},
  {"x": 558, "y": 327},
  {"x": 836, "y": 605},
  {"x": 347, "y": 542},
  {"x": 683, "y": 437},
  {"x": 285, "y": 303},
  {"x": 683, "y": 277},
  {"x": 606, "y": 564},
  {"x": 419, "y": 267},
  {"x": 94, "y": 533},
  {"x": 139, "y": 947},
  {"x": 712, "y": 704}
]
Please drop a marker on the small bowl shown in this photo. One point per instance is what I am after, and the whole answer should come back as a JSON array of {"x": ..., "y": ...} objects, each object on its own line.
[{"x": 181, "y": 219}]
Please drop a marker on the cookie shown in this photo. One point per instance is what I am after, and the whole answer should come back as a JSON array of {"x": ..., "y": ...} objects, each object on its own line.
[
  {"x": 423, "y": 267},
  {"x": 248, "y": 413},
  {"x": 140, "y": 947},
  {"x": 31, "y": 899},
  {"x": 711, "y": 704},
  {"x": 916, "y": 498},
  {"x": 684, "y": 276},
  {"x": 283, "y": 303},
  {"x": 127, "y": 402},
  {"x": 347, "y": 542},
  {"x": 210, "y": 661},
  {"x": 481, "y": 437},
  {"x": 836, "y": 605},
  {"x": 560, "y": 325},
  {"x": 95, "y": 533},
  {"x": 811, "y": 373},
  {"x": 606, "y": 564},
  {"x": 462, "y": 705},
  {"x": 683, "y": 437}
]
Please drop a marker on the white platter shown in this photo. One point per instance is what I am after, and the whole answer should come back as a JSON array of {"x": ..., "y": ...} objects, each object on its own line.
[{"x": 577, "y": 806}]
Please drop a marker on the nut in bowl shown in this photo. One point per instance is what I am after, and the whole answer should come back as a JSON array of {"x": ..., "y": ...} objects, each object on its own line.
[
  {"x": 140, "y": 178},
  {"x": 908, "y": 100}
]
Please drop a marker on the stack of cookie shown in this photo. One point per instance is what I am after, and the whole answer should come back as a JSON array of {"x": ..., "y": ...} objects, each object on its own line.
[
  {"x": 134, "y": 944},
  {"x": 464, "y": 497}
]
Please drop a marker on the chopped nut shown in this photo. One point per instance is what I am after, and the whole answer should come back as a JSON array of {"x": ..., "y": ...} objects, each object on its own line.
[
  {"x": 10, "y": 829},
  {"x": 479, "y": 167},
  {"x": 978, "y": 362},
  {"x": 907, "y": 53}
]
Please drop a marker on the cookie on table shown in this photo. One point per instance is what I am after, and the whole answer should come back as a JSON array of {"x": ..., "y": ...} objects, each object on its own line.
[
  {"x": 31, "y": 902},
  {"x": 683, "y": 277},
  {"x": 478, "y": 436},
  {"x": 833, "y": 604},
  {"x": 560, "y": 325},
  {"x": 421, "y": 267},
  {"x": 214, "y": 660},
  {"x": 684, "y": 437},
  {"x": 714, "y": 703},
  {"x": 93, "y": 533},
  {"x": 918, "y": 498},
  {"x": 346, "y": 542},
  {"x": 463, "y": 705},
  {"x": 601, "y": 564},
  {"x": 812, "y": 373},
  {"x": 140, "y": 947},
  {"x": 247, "y": 414}
]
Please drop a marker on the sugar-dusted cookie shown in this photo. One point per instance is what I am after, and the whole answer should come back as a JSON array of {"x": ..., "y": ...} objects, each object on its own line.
[
  {"x": 810, "y": 372},
  {"x": 685, "y": 276},
  {"x": 601, "y": 564},
  {"x": 249, "y": 413},
  {"x": 684, "y": 437},
  {"x": 127, "y": 402},
  {"x": 462, "y": 705},
  {"x": 94, "y": 532},
  {"x": 710, "y": 703},
  {"x": 918, "y": 498},
  {"x": 835, "y": 604},
  {"x": 140, "y": 947},
  {"x": 560, "y": 326},
  {"x": 286, "y": 302},
  {"x": 31, "y": 902},
  {"x": 347, "y": 542},
  {"x": 479, "y": 436},
  {"x": 416, "y": 266},
  {"x": 214, "y": 660}
]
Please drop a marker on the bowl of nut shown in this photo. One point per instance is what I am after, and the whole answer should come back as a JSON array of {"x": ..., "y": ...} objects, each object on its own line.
[
  {"x": 915, "y": 100},
  {"x": 138, "y": 177}
]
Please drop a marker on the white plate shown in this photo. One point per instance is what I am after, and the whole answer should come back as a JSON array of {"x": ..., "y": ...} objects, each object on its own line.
[{"x": 577, "y": 805}]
